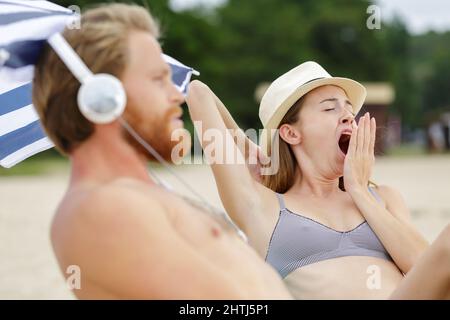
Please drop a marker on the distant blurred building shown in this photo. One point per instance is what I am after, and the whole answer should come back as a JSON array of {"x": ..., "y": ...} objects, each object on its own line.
[
  {"x": 379, "y": 97},
  {"x": 260, "y": 90}
]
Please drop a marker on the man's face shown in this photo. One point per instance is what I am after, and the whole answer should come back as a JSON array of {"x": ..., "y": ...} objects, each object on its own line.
[{"x": 153, "y": 102}]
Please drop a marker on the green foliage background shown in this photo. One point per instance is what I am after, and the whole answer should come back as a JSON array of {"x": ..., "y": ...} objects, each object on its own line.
[{"x": 245, "y": 42}]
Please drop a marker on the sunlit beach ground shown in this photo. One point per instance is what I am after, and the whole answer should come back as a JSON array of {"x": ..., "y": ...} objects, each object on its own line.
[{"x": 28, "y": 269}]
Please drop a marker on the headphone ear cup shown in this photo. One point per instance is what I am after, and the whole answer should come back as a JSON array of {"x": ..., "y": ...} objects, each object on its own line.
[{"x": 101, "y": 98}]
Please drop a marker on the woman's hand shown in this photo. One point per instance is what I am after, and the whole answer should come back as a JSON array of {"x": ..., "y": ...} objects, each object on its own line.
[{"x": 360, "y": 156}]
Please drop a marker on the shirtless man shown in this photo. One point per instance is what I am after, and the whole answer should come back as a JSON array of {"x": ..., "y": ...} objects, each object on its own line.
[{"x": 130, "y": 237}]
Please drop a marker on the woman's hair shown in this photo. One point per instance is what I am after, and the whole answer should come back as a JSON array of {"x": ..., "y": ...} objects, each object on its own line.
[{"x": 284, "y": 177}]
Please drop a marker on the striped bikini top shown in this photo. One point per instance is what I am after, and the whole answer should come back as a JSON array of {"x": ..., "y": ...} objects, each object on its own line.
[{"x": 298, "y": 241}]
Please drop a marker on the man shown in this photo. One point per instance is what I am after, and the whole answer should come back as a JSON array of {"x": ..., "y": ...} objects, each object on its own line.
[{"x": 130, "y": 237}]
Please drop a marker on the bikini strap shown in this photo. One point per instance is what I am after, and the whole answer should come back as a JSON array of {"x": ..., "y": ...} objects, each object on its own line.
[{"x": 281, "y": 201}]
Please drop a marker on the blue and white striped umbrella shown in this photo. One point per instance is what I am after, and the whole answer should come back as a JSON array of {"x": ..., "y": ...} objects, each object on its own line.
[{"x": 24, "y": 26}]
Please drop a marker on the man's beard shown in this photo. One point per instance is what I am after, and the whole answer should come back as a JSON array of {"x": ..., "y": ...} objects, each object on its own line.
[{"x": 156, "y": 132}]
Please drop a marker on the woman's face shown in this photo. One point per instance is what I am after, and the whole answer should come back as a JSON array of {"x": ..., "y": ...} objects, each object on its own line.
[{"x": 324, "y": 127}]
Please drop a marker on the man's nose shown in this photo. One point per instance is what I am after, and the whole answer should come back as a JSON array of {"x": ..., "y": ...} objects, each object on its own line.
[{"x": 176, "y": 96}]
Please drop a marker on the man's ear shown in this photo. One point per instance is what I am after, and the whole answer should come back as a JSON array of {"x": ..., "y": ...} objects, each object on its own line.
[{"x": 290, "y": 134}]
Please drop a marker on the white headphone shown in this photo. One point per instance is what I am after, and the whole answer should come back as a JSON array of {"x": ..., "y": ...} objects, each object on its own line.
[{"x": 101, "y": 97}]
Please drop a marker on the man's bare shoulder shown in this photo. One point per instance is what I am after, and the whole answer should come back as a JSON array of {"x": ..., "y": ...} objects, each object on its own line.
[
  {"x": 104, "y": 200},
  {"x": 133, "y": 196},
  {"x": 105, "y": 213}
]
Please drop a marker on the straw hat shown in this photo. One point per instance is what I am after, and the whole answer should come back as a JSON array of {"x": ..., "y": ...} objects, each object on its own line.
[{"x": 291, "y": 86}]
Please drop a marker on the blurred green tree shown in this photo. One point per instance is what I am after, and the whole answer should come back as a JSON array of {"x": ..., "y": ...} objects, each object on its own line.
[{"x": 244, "y": 43}]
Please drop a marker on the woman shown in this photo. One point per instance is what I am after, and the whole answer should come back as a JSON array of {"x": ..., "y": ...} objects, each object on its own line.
[{"x": 325, "y": 242}]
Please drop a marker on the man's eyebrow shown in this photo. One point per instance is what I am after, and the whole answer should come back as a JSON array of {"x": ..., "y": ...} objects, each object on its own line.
[
  {"x": 165, "y": 70},
  {"x": 161, "y": 71}
]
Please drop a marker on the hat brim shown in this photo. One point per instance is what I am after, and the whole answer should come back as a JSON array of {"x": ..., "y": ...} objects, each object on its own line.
[{"x": 355, "y": 91}]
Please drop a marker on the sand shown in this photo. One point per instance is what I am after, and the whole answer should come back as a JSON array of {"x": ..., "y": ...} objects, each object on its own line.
[{"x": 28, "y": 269}]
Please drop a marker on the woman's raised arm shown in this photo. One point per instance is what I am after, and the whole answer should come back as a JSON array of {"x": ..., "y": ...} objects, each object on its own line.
[{"x": 227, "y": 149}]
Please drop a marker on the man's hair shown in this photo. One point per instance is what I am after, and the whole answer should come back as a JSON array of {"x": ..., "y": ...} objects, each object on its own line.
[{"x": 102, "y": 45}]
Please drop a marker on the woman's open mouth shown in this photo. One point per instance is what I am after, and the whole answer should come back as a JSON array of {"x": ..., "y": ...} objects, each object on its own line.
[{"x": 344, "y": 142}]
